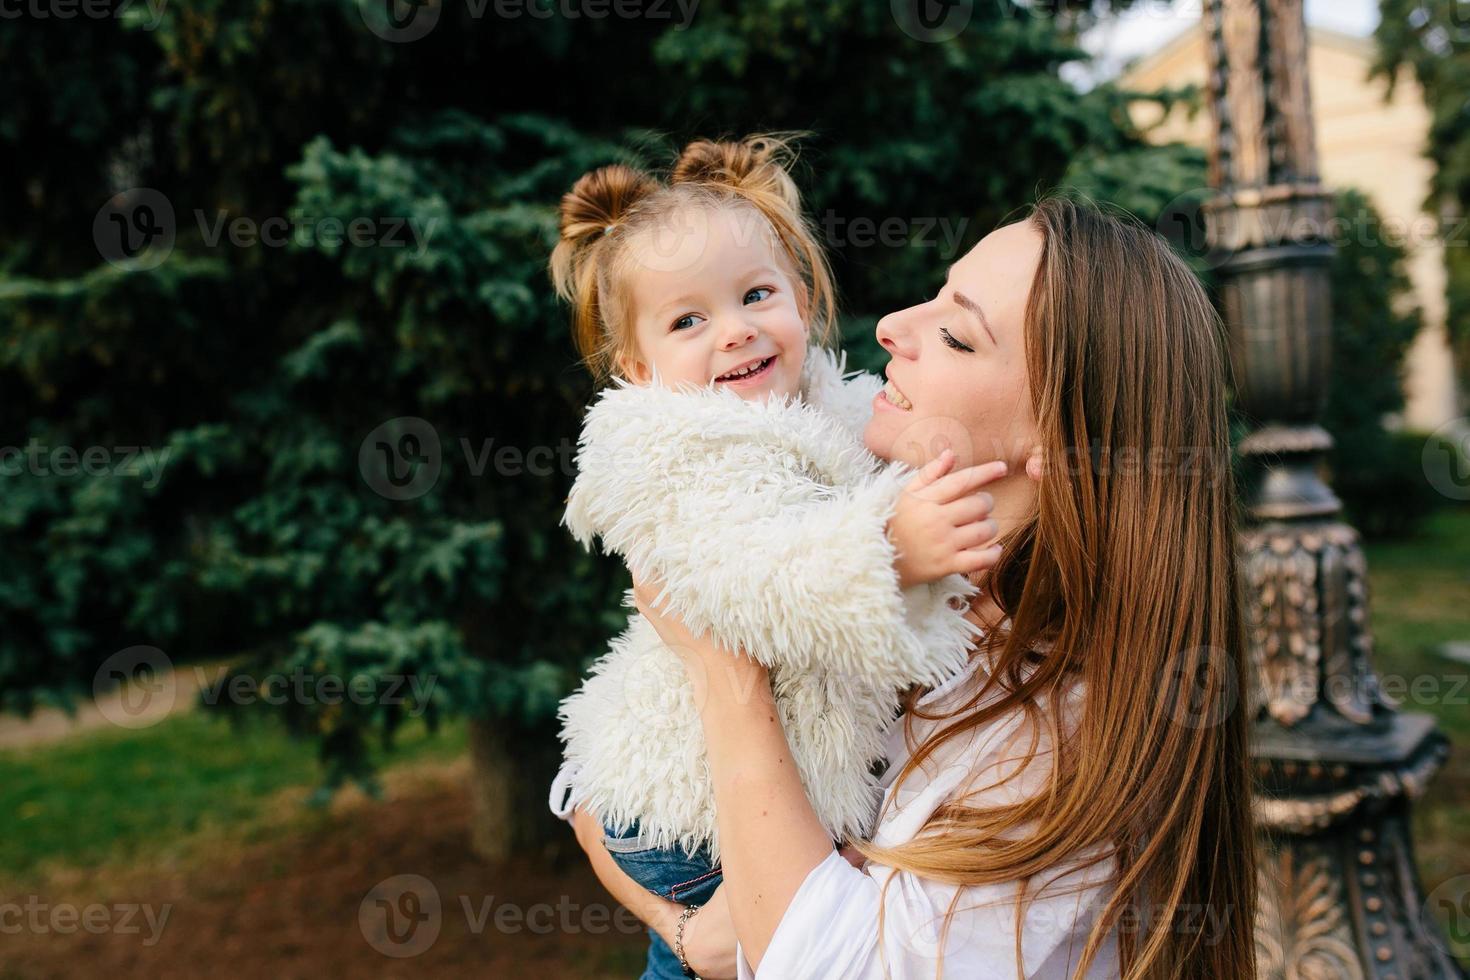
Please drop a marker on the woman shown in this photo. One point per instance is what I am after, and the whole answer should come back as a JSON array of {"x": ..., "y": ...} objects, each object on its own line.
[{"x": 1074, "y": 803}]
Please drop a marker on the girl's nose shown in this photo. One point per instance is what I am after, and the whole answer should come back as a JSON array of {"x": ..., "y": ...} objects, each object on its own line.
[{"x": 736, "y": 333}]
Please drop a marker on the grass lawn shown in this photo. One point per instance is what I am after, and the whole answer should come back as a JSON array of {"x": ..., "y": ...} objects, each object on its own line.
[
  {"x": 1420, "y": 599},
  {"x": 120, "y": 796}
]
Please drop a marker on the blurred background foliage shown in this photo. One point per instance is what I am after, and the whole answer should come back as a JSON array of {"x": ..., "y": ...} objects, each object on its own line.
[
  {"x": 256, "y": 372},
  {"x": 1430, "y": 39}
]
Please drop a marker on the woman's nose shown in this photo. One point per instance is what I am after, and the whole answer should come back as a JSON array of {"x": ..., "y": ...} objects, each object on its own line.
[{"x": 894, "y": 335}]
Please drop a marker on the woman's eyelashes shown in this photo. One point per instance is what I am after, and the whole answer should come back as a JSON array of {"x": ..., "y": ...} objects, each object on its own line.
[{"x": 951, "y": 342}]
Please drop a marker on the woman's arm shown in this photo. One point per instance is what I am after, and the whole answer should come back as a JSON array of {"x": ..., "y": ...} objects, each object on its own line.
[{"x": 770, "y": 838}]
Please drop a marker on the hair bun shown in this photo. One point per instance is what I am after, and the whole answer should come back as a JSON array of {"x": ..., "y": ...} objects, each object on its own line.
[
  {"x": 600, "y": 198},
  {"x": 755, "y": 164}
]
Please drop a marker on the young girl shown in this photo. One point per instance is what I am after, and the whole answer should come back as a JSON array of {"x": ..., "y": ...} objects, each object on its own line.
[{"x": 727, "y": 463}]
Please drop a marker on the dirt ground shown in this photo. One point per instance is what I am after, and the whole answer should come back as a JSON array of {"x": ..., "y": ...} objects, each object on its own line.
[{"x": 386, "y": 889}]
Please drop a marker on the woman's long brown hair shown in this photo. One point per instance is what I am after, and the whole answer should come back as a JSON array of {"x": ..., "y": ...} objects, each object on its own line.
[{"x": 1125, "y": 577}]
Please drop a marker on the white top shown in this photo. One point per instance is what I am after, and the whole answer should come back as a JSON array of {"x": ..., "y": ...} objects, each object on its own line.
[{"x": 830, "y": 928}]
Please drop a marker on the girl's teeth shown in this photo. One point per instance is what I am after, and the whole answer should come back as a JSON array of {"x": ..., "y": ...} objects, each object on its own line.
[
  {"x": 743, "y": 371},
  {"x": 896, "y": 397}
]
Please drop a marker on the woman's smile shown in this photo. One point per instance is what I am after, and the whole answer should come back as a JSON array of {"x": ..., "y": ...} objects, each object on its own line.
[{"x": 892, "y": 397}]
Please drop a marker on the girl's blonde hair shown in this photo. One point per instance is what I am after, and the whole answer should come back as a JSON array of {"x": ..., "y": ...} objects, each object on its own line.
[
  {"x": 607, "y": 211},
  {"x": 1125, "y": 577}
]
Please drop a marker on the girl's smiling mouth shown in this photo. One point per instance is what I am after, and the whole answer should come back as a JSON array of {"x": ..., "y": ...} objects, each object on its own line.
[{"x": 747, "y": 373}]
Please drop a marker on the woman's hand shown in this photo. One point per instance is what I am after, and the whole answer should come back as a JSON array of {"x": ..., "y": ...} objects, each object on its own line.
[
  {"x": 670, "y": 628},
  {"x": 713, "y": 670},
  {"x": 709, "y": 939}
]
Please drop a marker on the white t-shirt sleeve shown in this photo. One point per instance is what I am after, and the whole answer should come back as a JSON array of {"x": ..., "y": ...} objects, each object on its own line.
[
  {"x": 832, "y": 926},
  {"x": 831, "y": 929}
]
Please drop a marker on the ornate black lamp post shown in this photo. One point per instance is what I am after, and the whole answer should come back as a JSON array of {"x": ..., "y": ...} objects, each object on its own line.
[{"x": 1337, "y": 766}]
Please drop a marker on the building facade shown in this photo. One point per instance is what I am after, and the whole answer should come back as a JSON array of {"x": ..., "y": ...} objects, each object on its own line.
[{"x": 1368, "y": 141}]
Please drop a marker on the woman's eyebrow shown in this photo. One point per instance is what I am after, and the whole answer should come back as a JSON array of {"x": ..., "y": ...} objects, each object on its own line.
[{"x": 969, "y": 304}]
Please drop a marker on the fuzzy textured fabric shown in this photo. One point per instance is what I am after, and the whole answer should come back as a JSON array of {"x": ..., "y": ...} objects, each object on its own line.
[{"x": 767, "y": 523}]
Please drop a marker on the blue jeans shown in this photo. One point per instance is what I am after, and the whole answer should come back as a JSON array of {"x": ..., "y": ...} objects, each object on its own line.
[{"x": 669, "y": 873}]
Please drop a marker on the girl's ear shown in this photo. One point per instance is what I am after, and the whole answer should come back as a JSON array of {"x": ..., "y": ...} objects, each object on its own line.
[
  {"x": 633, "y": 368},
  {"x": 804, "y": 303}
]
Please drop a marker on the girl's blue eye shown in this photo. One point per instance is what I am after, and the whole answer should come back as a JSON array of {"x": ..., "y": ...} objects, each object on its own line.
[
  {"x": 949, "y": 341},
  {"x": 685, "y": 322},
  {"x": 766, "y": 290}
]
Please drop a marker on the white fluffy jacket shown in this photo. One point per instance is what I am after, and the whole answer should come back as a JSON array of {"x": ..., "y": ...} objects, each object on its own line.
[{"x": 767, "y": 523}]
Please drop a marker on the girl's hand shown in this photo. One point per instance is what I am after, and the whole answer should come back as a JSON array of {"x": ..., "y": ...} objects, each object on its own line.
[{"x": 942, "y": 522}]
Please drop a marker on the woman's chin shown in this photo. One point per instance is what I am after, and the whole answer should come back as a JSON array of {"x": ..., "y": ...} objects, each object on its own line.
[{"x": 878, "y": 443}]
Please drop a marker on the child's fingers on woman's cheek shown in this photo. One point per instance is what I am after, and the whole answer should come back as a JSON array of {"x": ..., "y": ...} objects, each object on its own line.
[
  {"x": 967, "y": 481},
  {"x": 975, "y": 535},
  {"x": 970, "y": 508},
  {"x": 979, "y": 559}
]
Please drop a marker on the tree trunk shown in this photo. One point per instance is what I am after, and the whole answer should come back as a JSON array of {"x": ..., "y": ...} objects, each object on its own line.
[{"x": 511, "y": 773}]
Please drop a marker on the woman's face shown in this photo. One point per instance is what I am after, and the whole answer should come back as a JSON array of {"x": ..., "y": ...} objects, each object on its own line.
[{"x": 957, "y": 378}]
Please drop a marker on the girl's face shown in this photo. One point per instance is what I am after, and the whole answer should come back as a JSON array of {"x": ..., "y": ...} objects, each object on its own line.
[
  {"x": 713, "y": 301},
  {"x": 957, "y": 378}
]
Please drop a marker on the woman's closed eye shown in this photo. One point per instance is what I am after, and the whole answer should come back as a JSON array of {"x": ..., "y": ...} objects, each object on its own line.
[
  {"x": 951, "y": 342},
  {"x": 766, "y": 291}
]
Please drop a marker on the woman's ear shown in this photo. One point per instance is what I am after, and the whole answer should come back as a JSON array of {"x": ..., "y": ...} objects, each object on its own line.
[{"x": 1035, "y": 464}]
